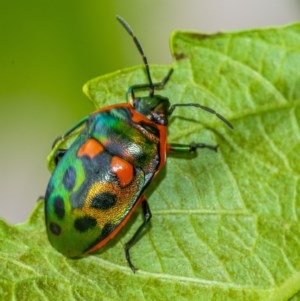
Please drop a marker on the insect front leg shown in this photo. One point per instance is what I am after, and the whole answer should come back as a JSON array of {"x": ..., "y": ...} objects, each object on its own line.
[
  {"x": 192, "y": 147},
  {"x": 147, "y": 217},
  {"x": 160, "y": 85},
  {"x": 189, "y": 148}
]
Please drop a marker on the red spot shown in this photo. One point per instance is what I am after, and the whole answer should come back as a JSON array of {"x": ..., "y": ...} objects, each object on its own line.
[
  {"x": 123, "y": 170},
  {"x": 90, "y": 148}
]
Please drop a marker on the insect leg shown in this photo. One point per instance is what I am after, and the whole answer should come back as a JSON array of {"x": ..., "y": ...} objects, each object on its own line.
[
  {"x": 189, "y": 148},
  {"x": 147, "y": 217},
  {"x": 70, "y": 131},
  {"x": 142, "y": 87},
  {"x": 58, "y": 155}
]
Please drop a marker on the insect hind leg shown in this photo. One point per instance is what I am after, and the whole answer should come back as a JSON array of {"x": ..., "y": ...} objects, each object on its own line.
[{"x": 147, "y": 217}]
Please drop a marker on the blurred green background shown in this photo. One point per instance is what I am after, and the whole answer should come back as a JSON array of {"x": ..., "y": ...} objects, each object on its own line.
[{"x": 49, "y": 49}]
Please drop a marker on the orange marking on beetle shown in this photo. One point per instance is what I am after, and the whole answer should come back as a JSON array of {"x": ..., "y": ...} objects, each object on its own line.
[
  {"x": 90, "y": 148},
  {"x": 123, "y": 170}
]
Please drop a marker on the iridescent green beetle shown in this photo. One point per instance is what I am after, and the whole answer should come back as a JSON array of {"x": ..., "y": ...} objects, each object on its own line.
[{"x": 100, "y": 179}]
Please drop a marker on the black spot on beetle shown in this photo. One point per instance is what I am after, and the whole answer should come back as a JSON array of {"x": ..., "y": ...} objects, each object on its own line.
[
  {"x": 55, "y": 228},
  {"x": 107, "y": 229},
  {"x": 69, "y": 178},
  {"x": 85, "y": 223},
  {"x": 59, "y": 207},
  {"x": 103, "y": 201}
]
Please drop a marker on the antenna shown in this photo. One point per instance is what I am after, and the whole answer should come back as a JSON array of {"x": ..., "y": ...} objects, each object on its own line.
[{"x": 141, "y": 51}]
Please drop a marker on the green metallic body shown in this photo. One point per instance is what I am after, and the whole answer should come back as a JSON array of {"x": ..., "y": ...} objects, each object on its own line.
[{"x": 84, "y": 201}]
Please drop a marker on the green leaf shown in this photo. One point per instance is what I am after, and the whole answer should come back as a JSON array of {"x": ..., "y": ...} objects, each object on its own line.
[{"x": 225, "y": 225}]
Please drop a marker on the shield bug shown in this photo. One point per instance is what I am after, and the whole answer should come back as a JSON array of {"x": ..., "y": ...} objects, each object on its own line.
[{"x": 100, "y": 179}]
